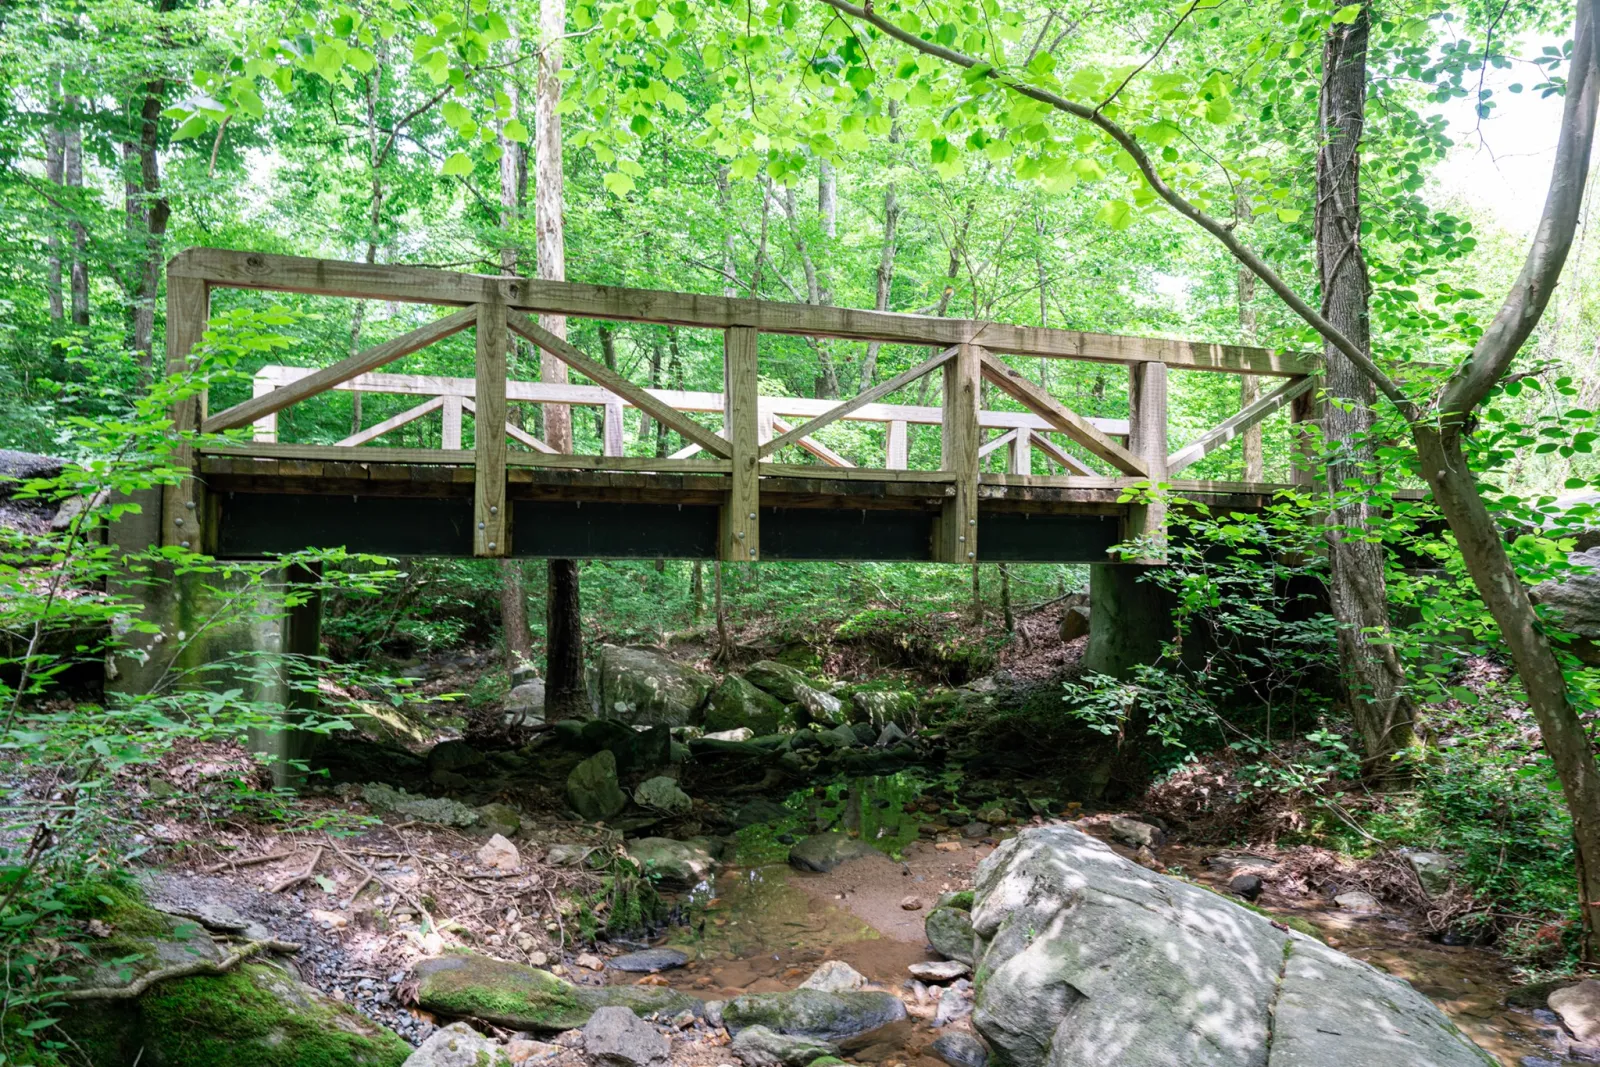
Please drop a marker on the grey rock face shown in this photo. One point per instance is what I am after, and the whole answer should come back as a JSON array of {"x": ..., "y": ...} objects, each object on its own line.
[
  {"x": 835, "y": 976},
  {"x": 1579, "y": 1008},
  {"x": 960, "y": 1050},
  {"x": 1089, "y": 959},
  {"x": 618, "y": 1037},
  {"x": 1358, "y": 901},
  {"x": 793, "y": 687},
  {"x": 824, "y": 852},
  {"x": 756, "y": 1046},
  {"x": 638, "y": 686},
  {"x": 525, "y": 703},
  {"x": 662, "y": 794},
  {"x": 1575, "y": 600},
  {"x": 1136, "y": 834},
  {"x": 458, "y": 1045},
  {"x": 649, "y": 961},
  {"x": 1433, "y": 871},
  {"x": 592, "y": 787},
  {"x": 884, "y": 707},
  {"x": 949, "y": 931},
  {"x": 813, "y": 1013},
  {"x": 527, "y": 998}
]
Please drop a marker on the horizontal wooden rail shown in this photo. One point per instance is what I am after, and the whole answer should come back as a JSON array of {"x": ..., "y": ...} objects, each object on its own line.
[{"x": 256, "y": 270}]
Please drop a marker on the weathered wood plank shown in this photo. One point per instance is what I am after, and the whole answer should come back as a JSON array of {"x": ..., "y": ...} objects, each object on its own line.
[
  {"x": 860, "y": 400},
  {"x": 1068, "y": 461},
  {"x": 666, "y": 465},
  {"x": 897, "y": 450},
  {"x": 515, "y": 432},
  {"x": 681, "y": 400},
  {"x": 856, "y": 474},
  {"x": 640, "y": 398},
  {"x": 740, "y": 526},
  {"x": 266, "y": 427},
  {"x": 1147, "y": 400},
  {"x": 1061, "y": 417},
  {"x": 339, "y": 454},
  {"x": 394, "y": 422},
  {"x": 955, "y": 532},
  {"x": 490, "y": 528},
  {"x": 1021, "y": 453},
  {"x": 1220, "y": 435},
  {"x": 813, "y": 446},
  {"x": 611, "y": 429},
  {"x": 254, "y": 270},
  {"x": 450, "y": 422},
  {"x": 995, "y": 444},
  {"x": 182, "y": 506},
  {"x": 1305, "y": 417},
  {"x": 321, "y": 380}
]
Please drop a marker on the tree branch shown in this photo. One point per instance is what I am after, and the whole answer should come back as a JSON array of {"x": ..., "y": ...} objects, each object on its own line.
[{"x": 1128, "y": 143}]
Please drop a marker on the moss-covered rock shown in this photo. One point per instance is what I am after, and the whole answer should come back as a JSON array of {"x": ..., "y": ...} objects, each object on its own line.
[
  {"x": 813, "y": 1013},
  {"x": 737, "y": 703},
  {"x": 526, "y": 998},
  {"x": 640, "y": 686},
  {"x": 883, "y": 706}
]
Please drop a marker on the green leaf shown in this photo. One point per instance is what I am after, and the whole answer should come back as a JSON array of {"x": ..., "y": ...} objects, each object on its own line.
[
  {"x": 619, "y": 184},
  {"x": 1347, "y": 14},
  {"x": 458, "y": 165},
  {"x": 516, "y": 131},
  {"x": 1288, "y": 214},
  {"x": 1118, "y": 214}
]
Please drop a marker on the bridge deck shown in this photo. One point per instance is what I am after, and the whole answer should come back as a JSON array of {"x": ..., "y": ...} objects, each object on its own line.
[{"x": 732, "y": 490}]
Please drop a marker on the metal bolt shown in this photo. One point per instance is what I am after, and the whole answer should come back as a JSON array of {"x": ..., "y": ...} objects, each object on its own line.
[
  {"x": 740, "y": 535},
  {"x": 177, "y": 522},
  {"x": 752, "y": 551},
  {"x": 963, "y": 537},
  {"x": 494, "y": 509},
  {"x": 972, "y": 522},
  {"x": 189, "y": 504},
  {"x": 480, "y": 525},
  {"x": 185, "y": 544},
  {"x": 491, "y": 544},
  {"x": 752, "y": 514},
  {"x": 969, "y": 555}
]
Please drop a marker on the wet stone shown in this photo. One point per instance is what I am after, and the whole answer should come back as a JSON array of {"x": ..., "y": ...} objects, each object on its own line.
[
  {"x": 960, "y": 1050},
  {"x": 650, "y": 960},
  {"x": 824, "y": 852}
]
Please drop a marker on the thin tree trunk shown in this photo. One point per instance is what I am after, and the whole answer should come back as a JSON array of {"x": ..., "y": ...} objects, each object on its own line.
[
  {"x": 1044, "y": 289},
  {"x": 1249, "y": 384},
  {"x": 1372, "y": 678},
  {"x": 977, "y": 596},
  {"x": 828, "y": 198},
  {"x": 816, "y": 295},
  {"x": 891, "y": 226},
  {"x": 1005, "y": 599},
  {"x": 724, "y": 646},
  {"x": 697, "y": 587},
  {"x": 72, "y": 176},
  {"x": 55, "y": 147},
  {"x": 565, "y": 696}
]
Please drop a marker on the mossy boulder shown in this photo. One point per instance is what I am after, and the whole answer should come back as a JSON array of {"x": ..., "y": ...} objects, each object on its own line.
[
  {"x": 949, "y": 931},
  {"x": 794, "y": 688},
  {"x": 674, "y": 863},
  {"x": 813, "y": 1013},
  {"x": 880, "y": 707},
  {"x": 824, "y": 852},
  {"x": 526, "y": 998},
  {"x": 737, "y": 703},
  {"x": 254, "y": 1016},
  {"x": 640, "y": 686},
  {"x": 592, "y": 787}
]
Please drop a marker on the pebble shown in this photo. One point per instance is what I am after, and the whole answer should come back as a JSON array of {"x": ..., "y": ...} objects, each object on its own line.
[
  {"x": 590, "y": 962},
  {"x": 948, "y": 846},
  {"x": 911, "y": 904},
  {"x": 941, "y": 971}
]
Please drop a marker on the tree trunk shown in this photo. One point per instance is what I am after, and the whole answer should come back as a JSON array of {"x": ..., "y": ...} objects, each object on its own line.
[
  {"x": 565, "y": 696},
  {"x": 724, "y": 646},
  {"x": 1371, "y": 676},
  {"x": 816, "y": 295},
  {"x": 1005, "y": 599},
  {"x": 55, "y": 148},
  {"x": 697, "y": 587},
  {"x": 1249, "y": 384},
  {"x": 1482, "y": 547},
  {"x": 828, "y": 198},
  {"x": 891, "y": 226},
  {"x": 72, "y": 176}
]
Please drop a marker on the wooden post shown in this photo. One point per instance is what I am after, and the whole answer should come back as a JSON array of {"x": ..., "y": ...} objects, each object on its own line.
[
  {"x": 1304, "y": 412},
  {"x": 1022, "y": 452},
  {"x": 491, "y": 536},
  {"x": 450, "y": 437},
  {"x": 1147, "y": 421},
  {"x": 741, "y": 515},
  {"x": 611, "y": 428},
  {"x": 188, "y": 309},
  {"x": 266, "y": 427},
  {"x": 955, "y": 533},
  {"x": 898, "y": 452}
]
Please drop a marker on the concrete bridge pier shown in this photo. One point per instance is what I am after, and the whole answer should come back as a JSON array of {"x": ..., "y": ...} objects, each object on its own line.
[{"x": 1130, "y": 618}]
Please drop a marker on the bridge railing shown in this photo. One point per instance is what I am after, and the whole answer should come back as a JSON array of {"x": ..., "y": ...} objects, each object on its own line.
[{"x": 754, "y": 428}]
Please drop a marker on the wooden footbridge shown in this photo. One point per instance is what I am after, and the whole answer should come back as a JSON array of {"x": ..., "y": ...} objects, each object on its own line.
[{"x": 725, "y": 494}]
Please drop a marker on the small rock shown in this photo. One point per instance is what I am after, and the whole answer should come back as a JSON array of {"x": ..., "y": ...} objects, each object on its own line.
[
  {"x": 650, "y": 960},
  {"x": 742, "y": 733},
  {"x": 911, "y": 903},
  {"x": 500, "y": 854},
  {"x": 683, "y": 1020},
  {"x": 334, "y": 920},
  {"x": 1579, "y": 1008},
  {"x": 497, "y": 818},
  {"x": 713, "y": 1010},
  {"x": 615, "y": 1035},
  {"x": 1358, "y": 901},
  {"x": 941, "y": 971},
  {"x": 954, "y": 1003},
  {"x": 1433, "y": 871},
  {"x": 1074, "y": 624},
  {"x": 590, "y": 962},
  {"x": 662, "y": 794},
  {"x": 457, "y": 1045},
  {"x": 567, "y": 855},
  {"x": 757, "y": 1046},
  {"x": 1135, "y": 834},
  {"x": 975, "y": 830},
  {"x": 948, "y": 846},
  {"x": 1247, "y": 886},
  {"x": 835, "y": 976},
  {"x": 960, "y": 1050}
]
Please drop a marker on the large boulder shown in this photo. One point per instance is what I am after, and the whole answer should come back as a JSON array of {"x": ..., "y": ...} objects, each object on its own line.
[
  {"x": 1086, "y": 958},
  {"x": 813, "y": 1013},
  {"x": 639, "y": 686},
  {"x": 459, "y": 1045},
  {"x": 662, "y": 794},
  {"x": 617, "y": 1037},
  {"x": 949, "y": 931},
  {"x": 736, "y": 703},
  {"x": 1573, "y": 601},
  {"x": 592, "y": 787},
  {"x": 756, "y": 1046},
  {"x": 823, "y": 852},
  {"x": 32, "y": 514},
  {"x": 882, "y": 707},
  {"x": 792, "y": 687},
  {"x": 526, "y": 998},
  {"x": 674, "y": 863}
]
